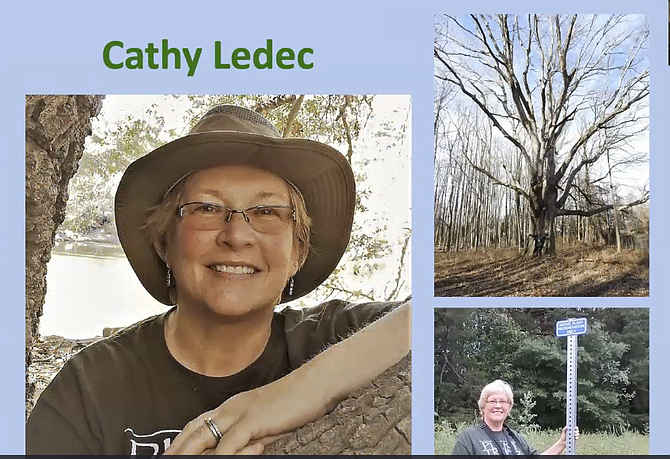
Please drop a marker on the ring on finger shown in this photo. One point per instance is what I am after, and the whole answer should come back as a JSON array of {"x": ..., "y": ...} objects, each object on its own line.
[{"x": 213, "y": 428}]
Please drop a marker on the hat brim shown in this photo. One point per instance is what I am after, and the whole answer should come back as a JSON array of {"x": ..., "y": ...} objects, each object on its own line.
[{"x": 320, "y": 172}]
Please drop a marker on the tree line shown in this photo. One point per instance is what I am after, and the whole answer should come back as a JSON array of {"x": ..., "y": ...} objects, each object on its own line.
[{"x": 476, "y": 346}]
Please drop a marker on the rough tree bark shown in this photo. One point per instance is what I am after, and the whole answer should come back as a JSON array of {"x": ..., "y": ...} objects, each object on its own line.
[
  {"x": 375, "y": 420},
  {"x": 56, "y": 127}
]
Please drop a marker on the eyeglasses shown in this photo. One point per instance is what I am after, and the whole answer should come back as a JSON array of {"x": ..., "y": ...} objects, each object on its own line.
[
  {"x": 495, "y": 402},
  {"x": 210, "y": 216}
]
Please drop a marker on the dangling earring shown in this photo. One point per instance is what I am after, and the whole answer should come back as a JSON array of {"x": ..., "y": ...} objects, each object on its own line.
[
  {"x": 291, "y": 282},
  {"x": 169, "y": 278}
]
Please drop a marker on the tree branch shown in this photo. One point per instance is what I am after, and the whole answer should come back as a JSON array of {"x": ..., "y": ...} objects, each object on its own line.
[
  {"x": 343, "y": 116},
  {"x": 401, "y": 265},
  {"x": 589, "y": 213},
  {"x": 481, "y": 105},
  {"x": 292, "y": 115},
  {"x": 274, "y": 103}
]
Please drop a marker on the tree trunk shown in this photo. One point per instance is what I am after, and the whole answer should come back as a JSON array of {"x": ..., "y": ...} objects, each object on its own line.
[
  {"x": 614, "y": 210},
  {"x": 56, "y": 127},
  {"x": 375, "y": 420}
]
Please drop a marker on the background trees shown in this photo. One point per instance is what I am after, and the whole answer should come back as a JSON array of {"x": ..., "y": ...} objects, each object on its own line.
[
  {"x": 545, "y": 108},
  {"x": 476, "y": 346}
]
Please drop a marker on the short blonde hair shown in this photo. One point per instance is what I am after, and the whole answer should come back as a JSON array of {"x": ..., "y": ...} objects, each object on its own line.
[
  {"x": 497, "y": 386},
  {"x": 160, "y": 222}
]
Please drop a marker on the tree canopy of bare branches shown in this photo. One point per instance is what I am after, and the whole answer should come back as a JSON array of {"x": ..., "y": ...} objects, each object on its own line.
[{"x": 540, "y": 100}]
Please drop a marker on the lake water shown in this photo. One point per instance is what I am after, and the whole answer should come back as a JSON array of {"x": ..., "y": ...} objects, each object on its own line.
[{"x": 86, "y": 294}]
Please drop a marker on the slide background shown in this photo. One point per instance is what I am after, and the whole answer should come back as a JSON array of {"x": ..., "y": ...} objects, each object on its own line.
[{"x": 372, "y": 47}]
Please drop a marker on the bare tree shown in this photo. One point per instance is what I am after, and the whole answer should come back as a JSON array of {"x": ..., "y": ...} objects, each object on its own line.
[{"x": 550, "y": 86}]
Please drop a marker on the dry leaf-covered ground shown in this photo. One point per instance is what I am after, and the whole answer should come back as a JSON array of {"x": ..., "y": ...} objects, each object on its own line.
[{"x": 574, "y": 271}]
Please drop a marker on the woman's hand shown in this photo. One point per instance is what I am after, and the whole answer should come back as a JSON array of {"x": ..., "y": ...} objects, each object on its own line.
[
  {"x": 250, "y": 420},
  {"x": 558, "y": 447},
  {"x": 565, "y": 433}
]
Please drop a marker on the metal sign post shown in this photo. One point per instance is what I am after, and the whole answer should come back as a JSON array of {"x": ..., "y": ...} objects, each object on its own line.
[
  {"x": 571, "y": 396},
  {"x": 571, "y": 328}
]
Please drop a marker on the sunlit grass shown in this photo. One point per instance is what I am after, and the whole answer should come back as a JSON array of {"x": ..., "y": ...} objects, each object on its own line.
[{"x": 589, "y": 443}]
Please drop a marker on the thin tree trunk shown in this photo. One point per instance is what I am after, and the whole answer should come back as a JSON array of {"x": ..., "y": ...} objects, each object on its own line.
[{"x": 614, "y": 209}]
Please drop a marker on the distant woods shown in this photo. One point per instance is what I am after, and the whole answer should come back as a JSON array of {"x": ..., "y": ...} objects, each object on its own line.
[
  {"x": 476, "y": 346},
  {"x": 537, "y": 122}
]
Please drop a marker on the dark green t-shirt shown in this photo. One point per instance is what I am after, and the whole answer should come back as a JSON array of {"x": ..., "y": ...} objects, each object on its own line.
[
  {"x": 476, "y": 441},
  {"x": 127, "y": 395}
]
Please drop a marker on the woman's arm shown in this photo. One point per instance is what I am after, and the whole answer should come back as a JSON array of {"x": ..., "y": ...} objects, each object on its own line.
[
  {"x": 304, "y": 395},
  {"x": 558, "y": 447},
  {"x": 351, "y": 364}
]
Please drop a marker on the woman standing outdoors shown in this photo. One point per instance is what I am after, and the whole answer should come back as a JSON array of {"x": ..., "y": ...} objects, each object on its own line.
[
  {"x": 224, "y": 224},
  {"x": 492, "y": 436}
]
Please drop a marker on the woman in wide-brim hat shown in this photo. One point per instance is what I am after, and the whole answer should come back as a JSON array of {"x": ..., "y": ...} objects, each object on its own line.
[{"x": 224, "y": 223}]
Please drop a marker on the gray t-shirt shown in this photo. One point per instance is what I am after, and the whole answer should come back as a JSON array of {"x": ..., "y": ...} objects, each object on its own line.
[{"x": 480, "y": 441}]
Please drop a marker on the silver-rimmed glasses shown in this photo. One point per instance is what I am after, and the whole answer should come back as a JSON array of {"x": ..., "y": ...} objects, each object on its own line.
[
  {"x": 210, "y": 216},
  {"x": 496, "y": 402}
]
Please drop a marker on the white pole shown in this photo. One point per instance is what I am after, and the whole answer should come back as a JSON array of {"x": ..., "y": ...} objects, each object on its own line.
[{"x": 571, "y": 411}]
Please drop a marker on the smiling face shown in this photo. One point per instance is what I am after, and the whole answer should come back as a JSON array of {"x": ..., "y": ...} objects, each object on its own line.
[
  {"x": 232, "y": 269},
  {"x": 496, "y": 408}
]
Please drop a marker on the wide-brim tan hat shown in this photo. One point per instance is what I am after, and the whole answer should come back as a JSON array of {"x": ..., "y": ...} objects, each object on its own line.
[{"x": 232, "y": 135}]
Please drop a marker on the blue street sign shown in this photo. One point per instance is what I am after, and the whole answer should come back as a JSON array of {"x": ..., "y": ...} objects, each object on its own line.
[{"x": 571, "y": 327}]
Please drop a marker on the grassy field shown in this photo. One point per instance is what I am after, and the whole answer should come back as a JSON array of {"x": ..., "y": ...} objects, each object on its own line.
[
  {"x": 589, "y": 443},
  {"x": 575, "y": 271}
]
